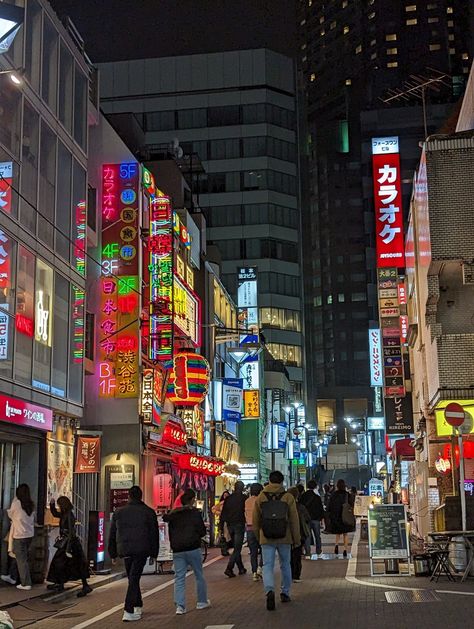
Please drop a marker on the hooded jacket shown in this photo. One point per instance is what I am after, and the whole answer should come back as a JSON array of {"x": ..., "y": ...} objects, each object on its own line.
[
  {"x": 186, "y": 528},
  {"x": 313, "y": 504},
  {"x": 293, "y": 535},
  {"x": 134, "y": 531},
  {"x": 233, "y": 511}
]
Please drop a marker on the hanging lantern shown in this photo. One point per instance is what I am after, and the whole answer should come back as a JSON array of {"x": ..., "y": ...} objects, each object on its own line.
[{"x": 189, "y": 379}]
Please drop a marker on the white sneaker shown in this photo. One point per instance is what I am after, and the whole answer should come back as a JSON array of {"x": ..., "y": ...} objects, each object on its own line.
[
  {"x": 138, "y": 610},
  {"x": 204, "y": 605},
  {"x": 260, "y": 571},
  {"x": 7, "y": 578},
  {"x": 129, "y": 617},
  {"x": 180, "y": 610},
  {"x": 23, "y": 587}
]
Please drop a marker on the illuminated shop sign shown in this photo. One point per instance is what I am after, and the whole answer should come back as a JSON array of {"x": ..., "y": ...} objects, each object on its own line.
[
  {"x": 388, "y": 202},
  {"x": 375, "y": 357},
  {"x": 199, "y": 464},
  {"x": 251, "y": 404},
  {"x": 153, "y": 391},
  {"x": 43, "y": 303},
  {"x": 161, "y": 279},
  {"x": 78, "y": 323},
  {"x": 187, "y": 311},
  {"x": 189, "y": 379},
  {"x": 4, "y": 325},
  {"x": 80, "y": 244},
  {"x": 6, "y": 179},
  {"x": 181, "y": 231},
  {"x": 174, "y": 434},
  {"x": 23, "y": 413}
]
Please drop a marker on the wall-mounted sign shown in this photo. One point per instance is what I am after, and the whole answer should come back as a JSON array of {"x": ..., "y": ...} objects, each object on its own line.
[
  {"x": 376, "y": 423},
  {"x": 87, "y": 455},
  {"x": 250, "y": 374},
  {"x": 187, "y": 311},
  {"x": 6, "y": 179},
  {"x": 251, "y": 404},
  {"x": 399, "y": 415},
  {"x": 200, "y": 464},
  {"x": 388, "y": 202},
  {"x": 189, "y": 379},
  {"x": 14, "y": 411},
  {"x": 375, "y": 357},
  {"x": 232, "y": 399}
]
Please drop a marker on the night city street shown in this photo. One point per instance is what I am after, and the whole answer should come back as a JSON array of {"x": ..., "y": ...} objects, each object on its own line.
[{"x": 237, "y": 313}]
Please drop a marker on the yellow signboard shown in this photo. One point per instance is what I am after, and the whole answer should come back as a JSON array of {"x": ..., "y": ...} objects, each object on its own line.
[
  {"x": 252, "y": 403},
  {"x": 443, "y": 429}
]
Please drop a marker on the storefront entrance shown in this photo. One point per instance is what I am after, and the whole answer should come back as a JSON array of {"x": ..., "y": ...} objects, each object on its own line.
[{"x": 9, "y": 470}]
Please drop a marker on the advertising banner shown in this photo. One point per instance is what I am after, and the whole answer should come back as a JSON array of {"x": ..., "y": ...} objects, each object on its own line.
[
  {"x": 399, "y": 415},
  {"x": 232, "y": 390},
  {"x": 88, "y": 455}
]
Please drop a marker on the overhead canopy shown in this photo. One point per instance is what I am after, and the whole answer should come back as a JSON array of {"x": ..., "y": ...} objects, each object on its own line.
[{"x": 403, "y": 450}]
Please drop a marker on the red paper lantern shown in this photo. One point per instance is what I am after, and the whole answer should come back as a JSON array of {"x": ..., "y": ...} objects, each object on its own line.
[{"x": 189, "y": 379}]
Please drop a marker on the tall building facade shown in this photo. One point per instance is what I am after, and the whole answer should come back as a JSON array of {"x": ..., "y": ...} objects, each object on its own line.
[
  {"x": 236, "y": 112},
  {"x": 351, "y": 54},
  {"x": 43, "y": 224}
]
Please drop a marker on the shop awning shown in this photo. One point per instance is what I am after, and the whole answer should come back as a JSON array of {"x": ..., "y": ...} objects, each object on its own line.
[{"x": 403, "y": 450}]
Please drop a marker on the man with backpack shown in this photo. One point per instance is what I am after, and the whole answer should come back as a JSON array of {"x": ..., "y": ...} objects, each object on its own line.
[{"x": 277, "y": 527}]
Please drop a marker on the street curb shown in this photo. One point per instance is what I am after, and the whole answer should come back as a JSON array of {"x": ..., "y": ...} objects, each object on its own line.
[{"x": 58, "y": 598}]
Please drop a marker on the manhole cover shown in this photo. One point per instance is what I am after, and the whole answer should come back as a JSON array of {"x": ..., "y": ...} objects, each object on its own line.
[
  {"x": 70, "y": 615},
  {"x": 411, "y": 596}
]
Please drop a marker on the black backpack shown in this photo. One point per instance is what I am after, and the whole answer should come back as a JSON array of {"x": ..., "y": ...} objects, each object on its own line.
[{"x": 274, "y": 516}]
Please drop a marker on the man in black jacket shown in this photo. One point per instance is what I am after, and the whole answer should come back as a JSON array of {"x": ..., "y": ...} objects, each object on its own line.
[
  {"x": 186, "y": 528},
  {"x": 313, "y": 503},
  {"x": 134, "y": 536},
  {"x": 233, "y": 514}
]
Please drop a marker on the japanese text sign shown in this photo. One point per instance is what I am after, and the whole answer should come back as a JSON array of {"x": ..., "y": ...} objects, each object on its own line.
[
  {"x": 87, "y": 455},
  {"x": 375, "y": 357}
]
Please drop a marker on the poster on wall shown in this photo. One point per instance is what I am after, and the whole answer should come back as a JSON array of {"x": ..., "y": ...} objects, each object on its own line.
[
  {"x": 88, "y": 455},
  {"x": 232, "y": 399},
  {"x": 60, "y": 462}
]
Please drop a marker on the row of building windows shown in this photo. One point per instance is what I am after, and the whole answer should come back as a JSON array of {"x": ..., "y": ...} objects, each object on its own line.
[
  {"x": 41, "y": 324},
  {"x": 291, "y": 355},
  {"x": 258, "y": 248},
  {"x": 268, "y": 282},
  {"x": 321, "y": 357},
  {"x": 224, "y": 116},
  {"x": 52, "y": 184},
  {"x": 280, "y": 318},
  {"x": 52, "y": 72},
  {"x": 240, "y": 181},
  {"x": 341, "y": 298},
  {"x": 252, "y": 214},
  {"x": 232, "y": 148}
]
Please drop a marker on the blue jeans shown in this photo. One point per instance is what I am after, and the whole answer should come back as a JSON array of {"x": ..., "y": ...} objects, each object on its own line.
[
  {"x": 315, "y": 528},
  {"x": 254, "y": 548},
  {"x": 284, "y": 555},
  {"x": 181, "y": 561}
]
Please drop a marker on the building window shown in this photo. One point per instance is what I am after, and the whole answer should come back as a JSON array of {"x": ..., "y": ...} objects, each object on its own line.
[
  {"x": 43, "y": 341},
  {"x": 452, "y": 51},
  {"x": 8, "y": 249},
  {"x": 465, "y": 55},
  {"x": 348, "y": 82},
  {"x": 47, "y": 185},
  {"x": 359, "y": 297},
  {"x": 29, "y": 168},
  {"x": 289, "y": 354},
  {"x": 449, "y": 10},
  {"x": 329, "y": 299},
  {"x": 49, "y": 82},
  {"x": 391, "y": 37},
  {"x": 392, "y": 64},
  {"x": 340, "y": 297},
  {"x": 434, "y": 47},
  {"x": 312, "y": 77},
  {"x": 346, "y": 30},
  {"x": 333, "y": 25},
  {"x": 433, "y": 20},
  {"x": 60, "y": 342},
  {"x": 412, "y": 22},
  {"x": 25, "y": 310},
  {"x": 80, "y": 107},
  {"x": 66, "y": 78},
  {"x": 358, "y": 49},
  {"x": 410, "y": 7},
  {"x": 281, "y": 318},
  {"x": 361, "y": 355},
  {"x": 392, "y": 51}
]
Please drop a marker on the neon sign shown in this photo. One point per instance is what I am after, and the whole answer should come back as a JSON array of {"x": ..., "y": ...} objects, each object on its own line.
[
  {"x": 161, "y": 279},
  {"x": 200, "y": 464},
  {"x": 187, "y": 311},
  {"x": 78, "y": 324},
  {"x": 80, "y": 244}
]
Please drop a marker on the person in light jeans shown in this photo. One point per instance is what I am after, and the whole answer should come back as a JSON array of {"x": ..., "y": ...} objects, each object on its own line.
[
  {"x": 269, "y": 551},
  {"x": 186, "y": 529}
]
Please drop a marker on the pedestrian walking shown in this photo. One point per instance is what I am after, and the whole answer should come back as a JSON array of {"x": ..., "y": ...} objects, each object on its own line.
[
  {"x": 224, "y": 537},
  {"x": 255, "y": 550},
  {"x": 186, "y": 529},
  {"x": 134, "y": 536},
  {"x": 233, "y": 515},
  {"x": 338, "y": 522},
  {"x": 305, "y": 532},
  {"x": 22, "y": 530},
  {"x": 313, "y": 503},
  {"x": 277, "y": 527},
  {"x": 69, "y": 562}
]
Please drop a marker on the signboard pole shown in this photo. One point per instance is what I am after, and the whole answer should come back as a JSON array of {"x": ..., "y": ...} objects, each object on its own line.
[{"x": 462, "y": 491}]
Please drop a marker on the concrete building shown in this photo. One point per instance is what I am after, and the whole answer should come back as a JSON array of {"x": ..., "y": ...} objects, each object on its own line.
[{"x": 236, "y": 111}]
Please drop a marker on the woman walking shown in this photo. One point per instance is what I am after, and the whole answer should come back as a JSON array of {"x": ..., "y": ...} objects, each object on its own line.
[
  {"x": 69, "y": 562},
  {"x": 21, "y": 514},
  {"x": 224, "y": 537},
  {"x": 335, "y": 508}
]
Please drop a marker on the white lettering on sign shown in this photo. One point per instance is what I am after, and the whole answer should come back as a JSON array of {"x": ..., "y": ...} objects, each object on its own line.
[{"x": 42, "y": 320}]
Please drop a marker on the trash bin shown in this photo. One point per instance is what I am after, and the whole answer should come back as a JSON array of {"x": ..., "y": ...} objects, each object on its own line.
[
  {"x": 422, "y": 565},
  {"x": 391, "y": 566},
  {"x": 457, "y": 554}
]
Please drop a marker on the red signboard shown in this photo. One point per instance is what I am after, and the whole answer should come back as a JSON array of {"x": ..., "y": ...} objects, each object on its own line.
[
  {"x": 388, "y": 208},
  {"x": 23, "y": 413},
  {"x": 200, "y": 464},
  {"x": 88, "y": 455},
  {"x": 174, "y": 434}
]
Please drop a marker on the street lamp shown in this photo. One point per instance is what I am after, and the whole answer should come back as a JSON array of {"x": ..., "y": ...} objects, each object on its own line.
[
  {"x": 11, "y": 18},
  {"x": 245, "y": 351},
  {"x": 14, "y": 76}
]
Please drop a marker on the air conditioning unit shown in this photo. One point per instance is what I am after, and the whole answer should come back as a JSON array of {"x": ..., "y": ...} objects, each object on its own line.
[{"x": 467, "y": 273}]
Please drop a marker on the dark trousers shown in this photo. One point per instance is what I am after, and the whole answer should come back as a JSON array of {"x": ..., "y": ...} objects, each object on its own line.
[
  {"x": 20, "y": 568},
  {"x": 236, "y": 531},
  {"x": 296, "y": 554},
  {"x": 254, "y": 548},
  {"x": 134, "y": 566}
]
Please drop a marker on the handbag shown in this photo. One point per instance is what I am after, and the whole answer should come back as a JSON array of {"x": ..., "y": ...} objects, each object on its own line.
[
  {"x": 348, "y": 517},
  {"x": 61, "y": 542}
]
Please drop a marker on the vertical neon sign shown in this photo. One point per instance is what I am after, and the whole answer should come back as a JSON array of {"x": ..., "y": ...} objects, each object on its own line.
[
  {"x": 80, "y": 244},
  {"x": 78, "y": 322},
  {"x": 161, "y": 279}
]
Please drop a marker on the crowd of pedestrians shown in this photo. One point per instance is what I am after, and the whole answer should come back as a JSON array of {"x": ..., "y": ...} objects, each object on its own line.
[{"x": 274, "y": 521}]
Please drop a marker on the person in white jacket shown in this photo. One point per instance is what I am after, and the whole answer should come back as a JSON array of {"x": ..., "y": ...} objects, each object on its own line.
[{"x": 21, "y": 514}]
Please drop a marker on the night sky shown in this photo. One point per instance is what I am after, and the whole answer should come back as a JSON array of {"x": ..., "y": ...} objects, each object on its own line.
[{"x": 131, "y": 29}]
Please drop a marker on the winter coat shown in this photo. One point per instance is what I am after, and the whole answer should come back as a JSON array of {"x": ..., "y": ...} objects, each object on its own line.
[
  {"x": 313, "y": 504},
  {"x": 186, "y": 528},
  {"x": 336, "y": 502},
  {"x": 134, "y": 531},
  {"x": 233, "y": 511},
  {"x": 305, "y": 521},
  {"x": 293, "y": 535},
  {"x": 69, "y": 563}
]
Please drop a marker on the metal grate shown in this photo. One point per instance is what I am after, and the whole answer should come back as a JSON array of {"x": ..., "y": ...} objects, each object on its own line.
[{"x": 411, "y": 596}]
